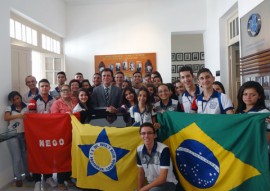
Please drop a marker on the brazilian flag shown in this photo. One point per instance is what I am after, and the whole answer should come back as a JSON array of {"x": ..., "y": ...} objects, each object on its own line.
[{"x": 217, "y": 152}]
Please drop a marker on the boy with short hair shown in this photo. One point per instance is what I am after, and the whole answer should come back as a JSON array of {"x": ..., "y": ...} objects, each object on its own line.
[
  {"x": 137, "y": 81},
  {"x": 79, "y": 76},
  {"x": 192, "y": 90},
  {"x": 61, "y": 79},
  {"x": 211, "y": 101},
  {"x": 119, "y": 79},
  {"x": 154, "y": 162},
  {"x": 42, "y": 104},
  {"x": 96, "y": 79}
]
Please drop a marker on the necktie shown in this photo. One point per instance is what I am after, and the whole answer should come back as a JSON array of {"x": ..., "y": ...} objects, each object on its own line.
[{"x": 107, "y": 96}]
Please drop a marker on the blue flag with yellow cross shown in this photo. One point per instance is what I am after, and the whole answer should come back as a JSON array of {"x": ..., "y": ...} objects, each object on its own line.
[{"x": 217, "y": 152}]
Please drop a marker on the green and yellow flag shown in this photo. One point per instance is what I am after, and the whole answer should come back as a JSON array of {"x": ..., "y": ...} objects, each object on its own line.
[
  {"x": 104, "y": 158},
  {"x": 217, "y": 152}
]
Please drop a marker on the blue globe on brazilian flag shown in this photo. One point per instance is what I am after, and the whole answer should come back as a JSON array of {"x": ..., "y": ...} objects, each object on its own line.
[{"x": 217, "y": 152}]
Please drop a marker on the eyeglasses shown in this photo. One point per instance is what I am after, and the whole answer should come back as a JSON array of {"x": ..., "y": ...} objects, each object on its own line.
[
  {"x": 65, "y": 91},
  {"x": 164, "y": 91},
  {"x": 147, "y": 133}
]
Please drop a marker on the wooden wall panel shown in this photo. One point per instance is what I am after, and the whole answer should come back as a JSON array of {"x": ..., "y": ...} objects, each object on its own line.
[{"x": 255, "y": 63}]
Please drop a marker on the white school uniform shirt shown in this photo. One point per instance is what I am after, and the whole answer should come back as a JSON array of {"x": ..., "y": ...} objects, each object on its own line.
[
  {"x": 214, "y": 105},
  {"x": 16, "y": 124},
  {"x": 187, "y": 100},
  {"x": 141, "y": 118}
]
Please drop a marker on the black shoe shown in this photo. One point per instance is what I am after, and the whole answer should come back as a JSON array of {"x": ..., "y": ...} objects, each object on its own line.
[
  {"x": 19, "y": 183},
  {"x": 29, "y": 178}
]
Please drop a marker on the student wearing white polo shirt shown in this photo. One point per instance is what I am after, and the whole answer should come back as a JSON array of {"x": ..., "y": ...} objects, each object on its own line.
[
  {"x": 165, "y": 103},
  {"x": 211, "y": 101},
  {"x": 154, "y": 163},
  {"x": 192, "y": 90}
]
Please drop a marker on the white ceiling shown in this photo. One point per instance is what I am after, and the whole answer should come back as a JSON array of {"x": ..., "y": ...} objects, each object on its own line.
[{"x": 81, "y": 2}]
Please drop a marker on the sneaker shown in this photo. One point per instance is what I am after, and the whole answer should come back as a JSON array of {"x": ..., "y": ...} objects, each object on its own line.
[
  {"x": 19, "y": 183},
  {"x": 37, "y": 186},
  {"x": 62, "y": 187},
  {"x": 51, "y": 182},
  {"x": 69, "y": 183}
]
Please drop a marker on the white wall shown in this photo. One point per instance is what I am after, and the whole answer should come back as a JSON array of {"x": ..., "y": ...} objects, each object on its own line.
[
  {"x": 247, "y": 5},
  {"x": 130, "y": 26},
  {"x": 214, "y": 38},
  {"x": 184, "y": 43},
  {"x": 5, "y": 78},
  {"x": 50, "y": 13}
]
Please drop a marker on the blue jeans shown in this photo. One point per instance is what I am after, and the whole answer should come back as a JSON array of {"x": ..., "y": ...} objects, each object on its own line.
[
  {"x": 17, "y": 148},
  {"x": 168, "y": 186}
]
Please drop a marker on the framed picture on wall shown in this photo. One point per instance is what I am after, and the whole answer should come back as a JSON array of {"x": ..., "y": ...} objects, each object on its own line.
[
  {"x": 265, "y": 82},
  {"x": 173, "y": 79},
  {"x": 173, "y": 69},
  {"x": 258, "y": 79},
  {"x": 189, "y": 65},
  {"x": 179, "y": 56},
  {"x": 195, "y": 56},
  {"x": 187, "y": 56},
  {"x": 179, "y": 67},
  {"x": 201, "y": 66},
  {"x": 201, "y": 55},
  {"x": 247, "y": 79},
  {"x": 196, "y": 67},
  {"x": 173, "y": 57}
]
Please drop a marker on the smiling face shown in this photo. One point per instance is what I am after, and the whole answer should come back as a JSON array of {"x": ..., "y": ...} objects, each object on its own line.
[
  {"x": 83, "y": 97},
  {"x": 119, "y": 78},
  {"x": 74, "y": 86},
  {"x": 31, "y": 82},
  {"x": 142, "y": 97},
  {"x": 106, "y": 78},
  {"x": 65, "y": 92},
  {"x": 148, "y": 136},
  {"x": 187, "y": 79},
  {"x": 179, "y": 88},
  {"x": 206, "y": 80},
  {"x": 97, "y": 80},
  {"x": 129, "y": 96},
  {"x": 156, "y": 81},
  {"x": 137, "y": 78},
  {"x": 163, "y": 92}
]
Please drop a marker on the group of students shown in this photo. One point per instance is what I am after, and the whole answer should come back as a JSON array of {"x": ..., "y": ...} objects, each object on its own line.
[{"x": 141, "y": 100}]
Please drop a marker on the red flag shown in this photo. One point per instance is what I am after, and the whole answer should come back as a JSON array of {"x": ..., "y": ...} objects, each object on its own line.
[{"x": 48, "y": 141}]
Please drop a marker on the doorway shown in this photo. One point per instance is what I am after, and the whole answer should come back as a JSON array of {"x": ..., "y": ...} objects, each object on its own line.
[
  {"x": 21, "y": 66},
  {"x": 234, "y": 71}
]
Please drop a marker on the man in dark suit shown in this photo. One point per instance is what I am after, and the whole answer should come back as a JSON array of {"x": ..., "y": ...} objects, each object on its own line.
[{"x": 106, "y": 95}]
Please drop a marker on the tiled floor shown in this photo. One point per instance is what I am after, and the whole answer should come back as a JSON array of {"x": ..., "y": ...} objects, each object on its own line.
[{"x": 29, "y": 186}]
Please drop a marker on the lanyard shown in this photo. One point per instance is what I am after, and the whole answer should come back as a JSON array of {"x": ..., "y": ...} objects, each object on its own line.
[
  {"x": 189, "y": 99},
  {"x": 150, "y": 159},
  {"x": 142, "y": 116},
  {"x": 203, "y": 108}
]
